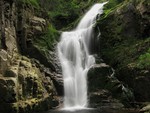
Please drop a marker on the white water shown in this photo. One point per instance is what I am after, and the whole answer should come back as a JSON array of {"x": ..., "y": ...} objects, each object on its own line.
[{"x": 73, "y": 52}]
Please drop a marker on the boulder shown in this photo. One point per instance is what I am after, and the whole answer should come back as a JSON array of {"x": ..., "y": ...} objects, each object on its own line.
[
  {"x": 37, "y": 24},
  {"x": 145, "y": 109},
  {"x": 103, "y": 83}
]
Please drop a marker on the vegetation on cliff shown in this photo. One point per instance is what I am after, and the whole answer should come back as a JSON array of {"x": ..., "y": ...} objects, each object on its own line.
[
  {"x": 125, "y": 43},
  {"x": 30, "y": 30}
]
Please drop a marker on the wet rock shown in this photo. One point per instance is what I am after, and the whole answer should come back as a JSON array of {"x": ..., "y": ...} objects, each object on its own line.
[
  {"x": 99, "y": 96},
  {"x": 98, "y": 75},
  {"x": 102, "y": 82},
  {"x": 124, "y": 43},
  {"x": 57, "y": 80}
]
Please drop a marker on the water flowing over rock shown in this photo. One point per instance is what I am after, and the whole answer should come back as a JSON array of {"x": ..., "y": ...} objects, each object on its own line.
[{"x": 73, "y": 51}]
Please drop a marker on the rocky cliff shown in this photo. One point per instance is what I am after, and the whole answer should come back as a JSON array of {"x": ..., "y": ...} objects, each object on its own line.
[
  {"x": 124, "y": 43},
  {"x": 30, "y": 73},
  {"x": 26, "y": 75}
]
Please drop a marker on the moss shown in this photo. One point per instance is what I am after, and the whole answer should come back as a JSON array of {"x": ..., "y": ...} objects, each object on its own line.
[
  {"x": 122, "y": 42},
  {"x": 111, "y": 7},
  {"x": 129, "y": 52},
  {"x": 143, "y": 61},
  {"x": 113, "y": 3},
  {"x": 47, "y": 40},
  {"x": 34, "y": 3}
]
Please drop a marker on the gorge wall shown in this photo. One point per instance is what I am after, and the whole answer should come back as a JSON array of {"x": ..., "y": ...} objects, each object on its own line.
[
  {"x": 26, "y": 75},
  {"x": 124, "y": 44},
  {"x": 30, "y": 73}
]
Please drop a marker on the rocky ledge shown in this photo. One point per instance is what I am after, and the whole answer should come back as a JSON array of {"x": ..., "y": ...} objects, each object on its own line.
[{"x": 24, "y": 87}]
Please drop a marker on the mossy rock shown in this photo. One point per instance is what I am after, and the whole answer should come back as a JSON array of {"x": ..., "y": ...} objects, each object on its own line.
[{"x": 125, "y": 42}]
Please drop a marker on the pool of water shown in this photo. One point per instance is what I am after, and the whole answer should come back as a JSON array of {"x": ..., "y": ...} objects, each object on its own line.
[{"x": 96, "y": 110}]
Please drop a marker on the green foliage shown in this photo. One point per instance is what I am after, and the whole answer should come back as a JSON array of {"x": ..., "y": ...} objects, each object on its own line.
[
  {"x": 47, "y": 40},
  {"x": 63, "y": 12},
  {"x": 34, "y": 3},
  {"x": 118, "y": 47},
  {"x": 110, "y": 7},
  {"x": 144, "y": 60},
  {"x": 113, "y": 3}
]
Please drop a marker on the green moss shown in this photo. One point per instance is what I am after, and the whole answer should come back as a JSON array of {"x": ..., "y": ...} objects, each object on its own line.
[
  {"x": 122, "y": 43},
  {"x": 143, "y": 61},
  {"x": 110, "y": 7},
  {"x": 129, "y": 52},
  {"x": 34, "y": 3},
  {"x": 47, "y": 40},
  {"x": 113, "y": 3}
]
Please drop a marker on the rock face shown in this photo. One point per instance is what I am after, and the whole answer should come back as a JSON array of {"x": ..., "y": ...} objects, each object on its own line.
[
  {"x": 28, "y": 81},
  {"x": 30, "y": 74},
  {"x": 106, "y": 89},
  {"x": 24, "y": 88},
  {"x": 125, "y": 42}
]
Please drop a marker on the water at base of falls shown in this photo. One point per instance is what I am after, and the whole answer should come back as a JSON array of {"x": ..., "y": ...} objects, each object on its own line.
[{"x": 73, "y": 52}]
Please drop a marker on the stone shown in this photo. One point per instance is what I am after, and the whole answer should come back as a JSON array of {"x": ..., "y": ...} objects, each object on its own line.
[
  {"x": 10, "y": 39},
  {"x": 24, "y": 87},
  {"x": 3, "y": 61},
  {"x": 122, "y": 45},
  {"x": 37, "y": 21},
  {"x": 98, "y": 75},
  {"x": 145, "y": 109},
  {"x": 8, "y": 91},
  {"x": 10, "y": 73}
]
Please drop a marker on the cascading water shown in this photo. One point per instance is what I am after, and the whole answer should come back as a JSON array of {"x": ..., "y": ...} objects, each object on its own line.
[{"x": 73, "y": 52}]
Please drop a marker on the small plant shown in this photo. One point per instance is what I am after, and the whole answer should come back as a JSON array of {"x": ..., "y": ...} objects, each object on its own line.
[{"x": 144, "y": 60}]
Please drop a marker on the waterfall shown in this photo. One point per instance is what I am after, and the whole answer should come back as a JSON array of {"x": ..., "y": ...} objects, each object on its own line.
[{"x": 73, "y": 52}]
